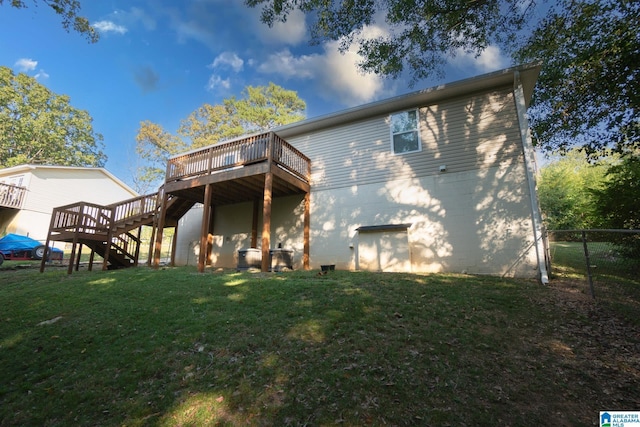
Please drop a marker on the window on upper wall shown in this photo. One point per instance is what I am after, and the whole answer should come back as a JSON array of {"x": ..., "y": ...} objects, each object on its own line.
[{"x": 405, "y": 135}]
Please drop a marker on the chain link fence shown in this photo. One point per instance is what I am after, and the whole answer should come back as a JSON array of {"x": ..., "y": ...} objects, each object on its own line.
[{"x": 606, "y": 261}]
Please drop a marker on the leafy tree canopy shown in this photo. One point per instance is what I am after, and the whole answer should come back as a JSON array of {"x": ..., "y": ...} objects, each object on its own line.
[
  {"x": 565, "y": 191},
  {"x": 259, "y": 109},
  {"x": 41, "y": 127},
  {"x": 421, "y": 35},
  {"x": 68, "y": 10},
  {"x": 618, "y": 201},
  {"x": 588, "y": 91}
]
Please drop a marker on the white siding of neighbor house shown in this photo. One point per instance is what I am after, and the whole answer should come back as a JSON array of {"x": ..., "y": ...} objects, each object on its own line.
[
  {"x": 52, "y": 187},
  {"x": 475, "y": 217}
]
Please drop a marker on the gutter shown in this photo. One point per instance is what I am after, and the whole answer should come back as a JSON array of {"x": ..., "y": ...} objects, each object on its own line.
[{"x": 530, "y": 163}]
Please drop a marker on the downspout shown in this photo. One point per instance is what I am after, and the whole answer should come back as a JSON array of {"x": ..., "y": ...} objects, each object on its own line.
[{"x": 530, "y": 164}]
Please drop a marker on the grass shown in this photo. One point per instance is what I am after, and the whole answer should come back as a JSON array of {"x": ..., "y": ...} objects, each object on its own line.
[
  {"x": 616, "y": 280},
  {"x": 173, "y": 347}
]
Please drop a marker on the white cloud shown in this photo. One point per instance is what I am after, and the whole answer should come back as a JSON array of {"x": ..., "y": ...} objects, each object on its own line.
[
  {"x": 26, "y": 64},
  {"x": 337, "y": 74},
  {"x": 491, "y": 59},
  {"x": 41, "y": 75},
  {"x": 215, "y": 81},
  {"x": 292, "y": 32},
  {"x": 109, "y": 27},
  {"x": 283, "y": 63},
  {"x": 228, "y": 59}
]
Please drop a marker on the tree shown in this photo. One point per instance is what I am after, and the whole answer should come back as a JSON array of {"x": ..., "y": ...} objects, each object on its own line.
[
  {"x": 68, "y": 10},
  {"x": 618, "y": 201},
  {"x": 39, "y": 126},
  {"x": 261, "y": 108},
  {"x": 588, "y": 91},
  {"x": 422, "y": 35},
  {"x": 155, "y": 146},
  {"x": 589, "y": 88},
  {"x": 618, "y": 204},
  {"x": 566, "y": 191}
]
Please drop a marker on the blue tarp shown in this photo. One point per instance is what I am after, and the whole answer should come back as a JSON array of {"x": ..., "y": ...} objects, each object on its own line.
[{"x": 16, "y": 242}]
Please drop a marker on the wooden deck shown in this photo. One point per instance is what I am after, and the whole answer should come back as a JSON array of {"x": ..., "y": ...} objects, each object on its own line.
[
  {"x": 11, "y": 196},
  {"x": 256, "y": 168},
  {"x": 237, "y": 170},
  {"x": 106, "y": 230}
]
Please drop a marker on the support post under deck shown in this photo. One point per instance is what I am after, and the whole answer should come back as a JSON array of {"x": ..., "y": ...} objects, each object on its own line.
[
  {"x": 158, "y": 239},
  {"x": 204, "y": 234},
  {"x": 266, "y": 221},
  {"x": 305, "y": 250}
]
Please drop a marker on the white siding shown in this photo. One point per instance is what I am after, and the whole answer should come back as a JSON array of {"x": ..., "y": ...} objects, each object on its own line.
[
  {"x": 474, "y": 222},
  {"x": 463, "y": 134},
  {"x": 49, "y": 188},
  {"x": 475, "y": 217}
]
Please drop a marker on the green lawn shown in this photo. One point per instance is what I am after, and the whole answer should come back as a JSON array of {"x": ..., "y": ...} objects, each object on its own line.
[{"x": 176, "y": 348}]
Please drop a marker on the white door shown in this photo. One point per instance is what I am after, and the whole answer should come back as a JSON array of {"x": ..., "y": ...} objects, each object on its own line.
[{"x": 384, "y": 251}]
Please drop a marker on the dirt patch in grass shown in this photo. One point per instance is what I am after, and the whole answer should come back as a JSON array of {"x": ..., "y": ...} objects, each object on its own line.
[{"x": 598, "y": 348}]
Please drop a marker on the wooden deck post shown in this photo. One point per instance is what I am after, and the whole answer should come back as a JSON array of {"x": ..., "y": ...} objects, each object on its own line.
[
  {"x": 91, "y": 257},
  {"x": 46, "y": 245},
  {"x": 137, "y": 252},
  {"x": 107, "y": 249},
  {"x": 307, "y": 216},
  {"x": 254, "y": 224},
  {"x": 174, "y": 245},
  {"x": 78, "y": 257},
  {"x": 204, "y": 231},
  {"x": 158, "y": 240},
  {"x": 266, "y": 221},
  {"x": 151, "y": 240}
]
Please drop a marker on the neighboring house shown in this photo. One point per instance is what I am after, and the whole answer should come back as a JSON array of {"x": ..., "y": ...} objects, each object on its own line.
[
  {"x": 44, "y": 187},
  {"x": 439, "y": 180}
]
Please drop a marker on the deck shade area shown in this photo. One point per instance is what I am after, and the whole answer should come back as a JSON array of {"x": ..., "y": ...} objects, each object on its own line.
[{"x": 252, "y": 169}]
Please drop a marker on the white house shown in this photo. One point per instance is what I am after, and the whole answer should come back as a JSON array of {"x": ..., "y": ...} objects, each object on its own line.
[
  {"x": 438, "y": 180},
  {"x": 44, "y": 187}
]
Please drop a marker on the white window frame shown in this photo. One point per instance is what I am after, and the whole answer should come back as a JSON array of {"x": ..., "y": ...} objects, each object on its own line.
[{"x": 416, "y": 130}]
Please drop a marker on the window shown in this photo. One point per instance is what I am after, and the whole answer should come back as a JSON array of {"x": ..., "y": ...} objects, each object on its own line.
[{"x": 405, "y": 137}]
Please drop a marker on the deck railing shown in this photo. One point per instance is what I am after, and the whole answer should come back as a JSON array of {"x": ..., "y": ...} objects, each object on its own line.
[
  {"x": 90, "y": 218},
  {"x": 11, "y": 196},
  {"x": 134, "y": 209},
  {"x": 237, "y": 154},
  {"x": 87, "y": 218}
]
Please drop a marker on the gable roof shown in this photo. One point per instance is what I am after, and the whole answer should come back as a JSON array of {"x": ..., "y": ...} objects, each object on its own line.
[
  {"x": 28, "y": 168},
  {"x": 528, "y": 75}
]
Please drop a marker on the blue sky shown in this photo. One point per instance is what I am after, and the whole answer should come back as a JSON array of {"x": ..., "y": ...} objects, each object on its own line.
[{"x": 159, "y": 60}]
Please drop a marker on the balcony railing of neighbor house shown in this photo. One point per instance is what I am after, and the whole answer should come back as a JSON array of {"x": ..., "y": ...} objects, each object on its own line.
[
  {"x": 11, "y": 196},
  {"x": 237, "y": 154}
]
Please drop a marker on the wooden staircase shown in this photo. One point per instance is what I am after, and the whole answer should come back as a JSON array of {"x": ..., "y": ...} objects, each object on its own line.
[{"x": 111, "y": 231}]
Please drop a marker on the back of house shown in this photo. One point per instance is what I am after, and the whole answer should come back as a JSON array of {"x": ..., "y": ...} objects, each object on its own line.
[{"x": 439, "y": 180}]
